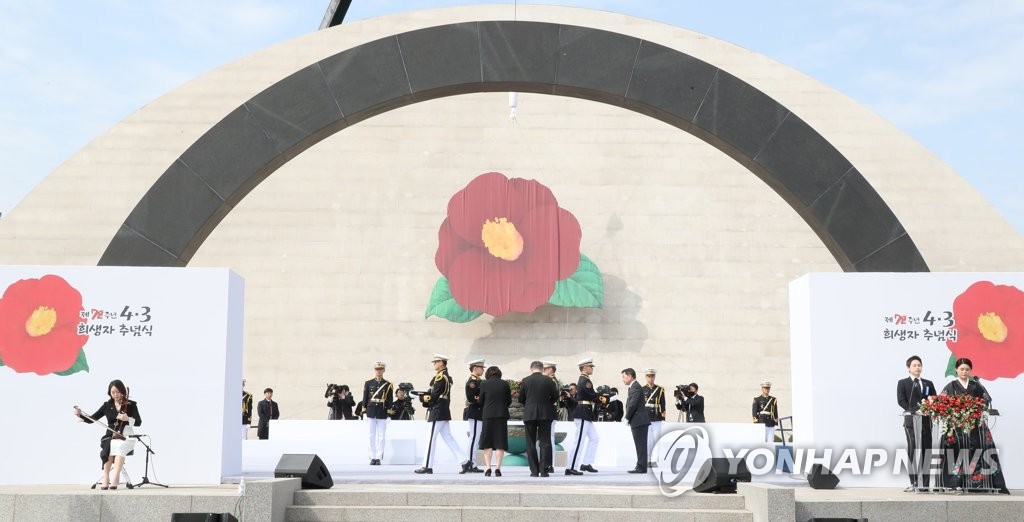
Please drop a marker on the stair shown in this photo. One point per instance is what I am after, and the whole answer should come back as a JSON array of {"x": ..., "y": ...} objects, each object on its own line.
[{"x": 513, "y": 502}]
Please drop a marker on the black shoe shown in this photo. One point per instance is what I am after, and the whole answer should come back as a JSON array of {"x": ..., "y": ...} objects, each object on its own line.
[
  {"x": 373, "y": 462},
  {"x": 475, "y": 469},
  {"x": 424, "y": 471},
  {"x": 550, "y": 469},
  {"x": 497, "y": 473},
  {"x": 588, "y": 467},
  {"x": 376, "y": 462},
  {"x": 569, "y": 471},
  {"x": 487, "y": 473},
  {"x": 637, "y": 470},
  {"x": 544, "y": 474},
  {"x": 534, "y": 474},
  {"x": 465, "y": 467}
]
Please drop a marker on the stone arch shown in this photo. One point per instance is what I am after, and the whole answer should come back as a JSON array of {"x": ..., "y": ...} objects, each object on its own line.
[{"x": 200, "y": 188}]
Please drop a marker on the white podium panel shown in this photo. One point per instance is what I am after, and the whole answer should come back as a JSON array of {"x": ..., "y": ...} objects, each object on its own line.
[
  {"x": 851, "y": 336},
  {"x": 172, "y": 335}
]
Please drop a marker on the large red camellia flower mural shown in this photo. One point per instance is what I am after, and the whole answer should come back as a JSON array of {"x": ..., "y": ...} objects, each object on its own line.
[
  {"x": 39, "y": 327},
  {"x": 506, "y": 246},
  {"x": 990, "y": 329}
]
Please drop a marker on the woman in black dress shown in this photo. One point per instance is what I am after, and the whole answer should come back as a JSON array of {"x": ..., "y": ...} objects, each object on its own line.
[
  {"x": 115, "y": 443},
  {"x": 495, "y": 397},
  {"x": 979, "y": 467}
]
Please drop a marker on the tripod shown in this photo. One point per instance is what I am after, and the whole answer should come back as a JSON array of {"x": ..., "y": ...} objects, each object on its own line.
[{"x": 145, "y": 475}]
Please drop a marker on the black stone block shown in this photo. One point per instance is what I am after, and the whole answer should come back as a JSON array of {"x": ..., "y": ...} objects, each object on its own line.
[
  {"x": 365, "y": 80},
  {"x": 593, "y": 63},
  {"x": 667, "y": 82},
  {"x": 442, "y": 57},
  {"x": 128, "y": 248},
  {"x": 519, "y": 52},
  {"x": 856, "y": 218},
  {"x": 738, "y": 115},
  {"x": 901, "y": 255},
  {"x": 802, "y": 161},
  {"x": 295, "y": 108},
  {"x": 230, "y": 152},
  {"x": 177, "y": 208}
]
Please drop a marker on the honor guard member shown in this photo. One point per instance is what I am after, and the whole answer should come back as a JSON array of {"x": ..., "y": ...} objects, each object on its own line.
[
  {"x": 439, "y": 414},
  {"x": 583, "y": 418},
  {"x": 246, "y": 411},
  {"x": 654, "y": 401},
  {"x": 474, "y": 412},
  {"x": 378, "y": 398},
  {"x": 766, "y": 411},
  {"x": 549, "y": 370}
]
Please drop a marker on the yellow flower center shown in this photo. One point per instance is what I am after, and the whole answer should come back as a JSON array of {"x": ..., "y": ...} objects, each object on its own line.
[
  {"x": 991, "y": 327},
  {"x": 41, "y": 321},
  {"x": 502, "y": 239}
]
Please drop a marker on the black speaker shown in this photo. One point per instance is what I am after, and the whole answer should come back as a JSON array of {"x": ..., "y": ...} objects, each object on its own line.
[
  {"x": 715, "y": 476},
  {"x": 309, "y": 468},
  {"x": 203, "y": 517},
  {"x": 821, "y": 477}
]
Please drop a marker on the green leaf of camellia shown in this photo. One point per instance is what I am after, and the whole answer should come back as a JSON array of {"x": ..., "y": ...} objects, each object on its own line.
[
  {"x": 80, "y": 365},
  {"x": 1, "y": 362},
  {"x": 443, "y": 305},
  {"x": 583, "y": 289},
  {"x": 951, "y": 367}
]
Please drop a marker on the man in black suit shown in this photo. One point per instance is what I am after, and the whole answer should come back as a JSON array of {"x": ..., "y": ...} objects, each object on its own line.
[
  {"x": 267, "y": 409},
  {"x": 636, "y": 416},
  {"x": 538, "y": 394},
  {"x": 910, "y": 391}
]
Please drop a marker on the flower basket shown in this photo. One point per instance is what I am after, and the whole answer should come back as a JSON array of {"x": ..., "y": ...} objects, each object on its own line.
[{"x": 963, "y": 412}]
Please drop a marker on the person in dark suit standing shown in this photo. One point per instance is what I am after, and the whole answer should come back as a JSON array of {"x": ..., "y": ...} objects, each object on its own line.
[
  {"x": 267, "y": 410},
  {"x": 494, "y": 399},
  {"x": 910, "y": 391},
  {"x": 538, "y": 394},
  {"x": 638, "y": 419}
]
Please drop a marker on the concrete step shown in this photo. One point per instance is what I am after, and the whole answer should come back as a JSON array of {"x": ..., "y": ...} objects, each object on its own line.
[
  {"x": 534, "y": 497},
  {"x": 509, "y": 513}
]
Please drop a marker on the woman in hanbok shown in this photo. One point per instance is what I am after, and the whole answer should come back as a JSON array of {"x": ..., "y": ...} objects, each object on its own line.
[{"x": 977, "y": 468}]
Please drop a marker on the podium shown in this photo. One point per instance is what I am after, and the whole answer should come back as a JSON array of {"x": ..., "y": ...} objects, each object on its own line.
[{"x": 938, "y": 462}]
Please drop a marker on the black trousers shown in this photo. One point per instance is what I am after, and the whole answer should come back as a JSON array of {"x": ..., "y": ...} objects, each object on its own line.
[
  {"x": 538, "y": 431},
  {"x": 919, "y": 457},
  {"x": 640, "y": 441}
]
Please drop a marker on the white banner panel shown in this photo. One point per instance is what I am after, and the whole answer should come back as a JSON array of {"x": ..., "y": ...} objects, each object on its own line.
[
  {"x": 852, "y": 334},
  {"x": 172, "y": 335}
]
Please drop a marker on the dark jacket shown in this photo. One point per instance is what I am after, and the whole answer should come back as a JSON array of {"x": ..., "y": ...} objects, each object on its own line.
[
  {"x": 378, "y": 396},
  {"x": 909, "y": 396},
  {"x": 694, "y": 408},
  {"x": 266, "y": 410},
  {"x": 495, "y": 398},
  {"x": 341, "y": 409},
  {"x": 635, "y": 412},
  {"x": 473, "y": 403},
  {"x": 439, "y": 401},
  {"x": 538, "y": 393},
  {"x": 586, "y": 396},
  {"x": 109, "y": 413}
]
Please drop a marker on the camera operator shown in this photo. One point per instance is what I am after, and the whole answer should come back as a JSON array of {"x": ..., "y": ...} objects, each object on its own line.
[
  {"x": 402, "y": 408},
  {"x": 689, "y": 402},
  {"x": 567, "y": 400},
  {"x": 603, "y": 408},
  {"x": 615, "y": 408},
  {"x": 340, "y": 402}
]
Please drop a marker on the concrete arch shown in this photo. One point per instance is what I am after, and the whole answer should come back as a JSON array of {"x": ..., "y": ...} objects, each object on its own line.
[{"x": 201, "y": 187}]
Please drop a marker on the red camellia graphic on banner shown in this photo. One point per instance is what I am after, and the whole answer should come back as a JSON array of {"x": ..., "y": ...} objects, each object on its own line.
[
  {"x": 506, "y": 245},
  {"x": 39, "y": 321},
  {"x": 990, "y": 329}
]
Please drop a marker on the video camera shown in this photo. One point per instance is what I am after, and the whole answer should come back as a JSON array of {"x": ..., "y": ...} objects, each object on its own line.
[
  {"x": 405, "y": 386},
  {"x": 604, "y": 397},
  {"x": 334, "y": 389}
]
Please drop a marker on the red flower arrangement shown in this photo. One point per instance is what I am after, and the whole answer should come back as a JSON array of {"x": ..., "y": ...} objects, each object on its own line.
[
  {"x": 39, "y": 330},
  {"x": 990, "y": 330},
  {"x": 963, "y": 412}
]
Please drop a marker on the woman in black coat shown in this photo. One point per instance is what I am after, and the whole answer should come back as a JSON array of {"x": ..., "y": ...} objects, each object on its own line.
[
  {"x": 983, "y": 471},
  {"x": 495, "y": 397}
]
